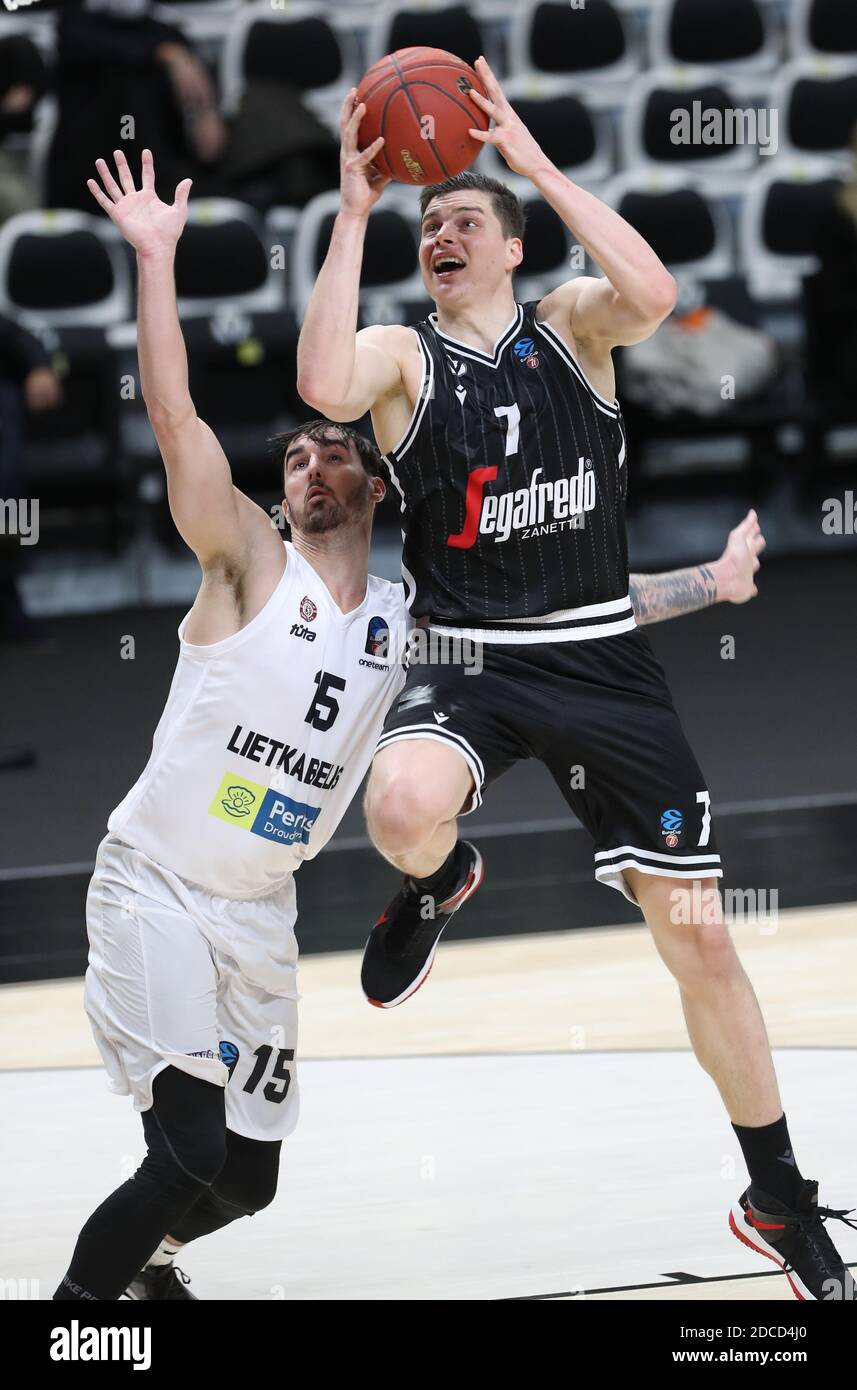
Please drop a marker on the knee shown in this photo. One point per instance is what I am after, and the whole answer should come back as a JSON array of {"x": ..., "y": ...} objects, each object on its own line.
[
  {"x": 187, "y": 1124},
  {"x": 248, "y": 1179},
  {"x": 710, "y": 959},
  {"x": 692, "y": 936},
  {"x": 400, "y": 816}
]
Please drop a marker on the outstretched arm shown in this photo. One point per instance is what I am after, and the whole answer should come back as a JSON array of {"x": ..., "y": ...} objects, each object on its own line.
[
  {"x": 341, "y": 372},
  {"x": 210, "y": 514},
  {"x": 728, "y": 580},
  {"x": 638, "y": 292}
]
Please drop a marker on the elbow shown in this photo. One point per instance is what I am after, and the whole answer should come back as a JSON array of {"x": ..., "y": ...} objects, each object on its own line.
[
  {"x": 664, "y": 294},
  {"x": 337, "y": 411},
  {"x": 309, "y": 393},
  {"x": 167, "y": 419}
]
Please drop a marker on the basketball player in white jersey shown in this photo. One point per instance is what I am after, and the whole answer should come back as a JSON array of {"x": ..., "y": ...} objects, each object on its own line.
[
  {"x": 501, "y": 430},
  {"x": 286, "y": 671},
  {"x": 289, "y": 660}
]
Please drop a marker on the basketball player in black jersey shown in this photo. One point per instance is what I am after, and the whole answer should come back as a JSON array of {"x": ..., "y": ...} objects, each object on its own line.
[{"x": 503, "y": 436}]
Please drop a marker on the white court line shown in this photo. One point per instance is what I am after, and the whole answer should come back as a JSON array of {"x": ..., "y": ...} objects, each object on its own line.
[
  {"x": 489, "y": 832},
  {"x": 420, "y": 1056}
]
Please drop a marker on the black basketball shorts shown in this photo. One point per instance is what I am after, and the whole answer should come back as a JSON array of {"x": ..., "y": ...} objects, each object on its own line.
[{"x": 599, "y": 715}]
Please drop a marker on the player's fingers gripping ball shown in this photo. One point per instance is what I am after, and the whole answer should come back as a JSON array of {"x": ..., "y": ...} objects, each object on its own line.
[{"x": 417, "y": 98}]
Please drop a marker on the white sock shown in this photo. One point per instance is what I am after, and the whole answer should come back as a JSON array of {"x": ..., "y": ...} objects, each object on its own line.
[{"x": 165, "y": 1253}]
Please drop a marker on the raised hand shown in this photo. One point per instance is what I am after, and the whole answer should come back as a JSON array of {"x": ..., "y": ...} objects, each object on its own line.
[
  {"x": 740, "y": 562},
  {"x": 147, "y": 223},
  {"x": 517, "y": 146},
  {"x": 361, "y": 184}
]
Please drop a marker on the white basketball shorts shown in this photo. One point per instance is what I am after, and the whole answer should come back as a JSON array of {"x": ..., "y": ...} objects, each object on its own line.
[{"x": 181, "y": 977}]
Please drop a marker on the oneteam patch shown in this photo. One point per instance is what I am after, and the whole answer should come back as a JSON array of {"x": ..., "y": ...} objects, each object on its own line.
[{"x": 263, "y": 811}]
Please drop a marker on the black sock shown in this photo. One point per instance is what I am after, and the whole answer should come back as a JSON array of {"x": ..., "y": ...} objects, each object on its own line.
[
  {"x": 770, "y": 1160},
  {"x": 441, "y": 883}
]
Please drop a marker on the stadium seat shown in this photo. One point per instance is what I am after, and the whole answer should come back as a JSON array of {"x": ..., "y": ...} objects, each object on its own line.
[
  {"x": 691, "y": 234},
  {"x": 415, "y": 309},
  {"x": 303, "y": 45},
  {"x": 65, "y": 267},
  {"x": 737, "y": 36},
  {"x": 817, "y": 101},
  {"x": 242, "y": 375},
  {"x": 224, "y": 258},
  {"x": 71, "y": 453},
  {"x": 649, "y": 126},
  {"x": 778, "y": 223},
  {"x": 390, "y": 260},
  {"x": 826, "y": 27},
  {"x": 429, "y": 24},
  {"x": 64, "y": 277},
  {"x": 578, "y": 140},
  {"x": 44, "y": 124},
  {"x": 201, "y": 21},
  {"x": 36, "y": 23},
  {"x": 548, "y": 245},
  {"x": 592, "y": 42}
]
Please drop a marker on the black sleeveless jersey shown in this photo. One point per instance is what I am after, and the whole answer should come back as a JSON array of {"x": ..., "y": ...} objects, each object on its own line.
[{"x": 512, "y": 475}]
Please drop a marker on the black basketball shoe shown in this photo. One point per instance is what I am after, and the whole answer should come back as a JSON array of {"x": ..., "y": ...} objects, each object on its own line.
[
  {"x": 160, "y": 1281},
  {"x": 795, "y": 1239},
  {"x": 400, "y": 951}
]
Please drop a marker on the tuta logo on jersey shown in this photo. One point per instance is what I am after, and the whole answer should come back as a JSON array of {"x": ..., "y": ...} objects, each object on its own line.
[
  {"x": 309, "y": 612},
  {"x": 377, "y": 638},
  {"x": 298, "y": 630},
  {"x": 278, "y": 817},
  {"x": 541, "y": 509}
]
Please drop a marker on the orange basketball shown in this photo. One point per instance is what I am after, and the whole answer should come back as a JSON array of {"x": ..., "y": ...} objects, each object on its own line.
[{"x": 417, "y": 99}]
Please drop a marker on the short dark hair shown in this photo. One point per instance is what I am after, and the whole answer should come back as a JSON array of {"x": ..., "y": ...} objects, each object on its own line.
[
  {"x": 508, "y": 207},
  {"x": 330, "y": 432}
]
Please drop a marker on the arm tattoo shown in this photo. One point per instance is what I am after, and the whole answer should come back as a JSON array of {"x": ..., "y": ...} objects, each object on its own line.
[{"x": 659, "y": 596}]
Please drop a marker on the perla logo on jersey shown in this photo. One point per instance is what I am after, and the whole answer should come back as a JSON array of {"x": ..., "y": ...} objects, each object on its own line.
[
  {"x": 536, "y": 510},
  {"x": 263, "y": 811}
]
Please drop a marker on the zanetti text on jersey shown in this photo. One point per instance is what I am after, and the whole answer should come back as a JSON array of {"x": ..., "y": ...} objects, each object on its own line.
[{"x": 252, "y": 745}]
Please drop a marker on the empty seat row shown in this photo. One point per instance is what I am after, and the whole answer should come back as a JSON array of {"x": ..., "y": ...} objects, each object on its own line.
[
  {"x": 71, "y": 270},
  {"x": 690, "y": 118},
  {"x": 598, "y": 40},
  {"x": 312, "y": 45}
]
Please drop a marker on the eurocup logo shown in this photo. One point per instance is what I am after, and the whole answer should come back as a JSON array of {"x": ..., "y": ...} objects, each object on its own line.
[
  {"x": 525, "y": 349},
  {"x": 229, "y": 1055},
  {"x": 377, "y": 638},
  {"x": 672, "y": 820}
]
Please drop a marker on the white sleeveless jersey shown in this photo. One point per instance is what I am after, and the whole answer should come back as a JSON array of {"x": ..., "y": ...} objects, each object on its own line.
[{"x": 267, "y": 735}]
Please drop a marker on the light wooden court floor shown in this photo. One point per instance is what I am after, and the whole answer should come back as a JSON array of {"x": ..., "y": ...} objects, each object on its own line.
[{"x": 535, "y": 1090}]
